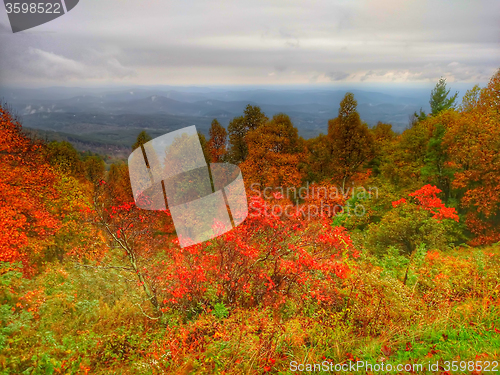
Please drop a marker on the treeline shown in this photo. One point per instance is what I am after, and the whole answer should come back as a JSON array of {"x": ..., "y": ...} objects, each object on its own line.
[
  {"x": 108, "y": 286},
  {"x": 456, "y": 148}
]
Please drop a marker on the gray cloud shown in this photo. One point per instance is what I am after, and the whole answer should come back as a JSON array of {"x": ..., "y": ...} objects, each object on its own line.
[
  {"x": 207, "y": 42},
  {"x": 32, "y": 58},
  {"x": 44, "y": 64},
  {"x": 337, "y": 76}
]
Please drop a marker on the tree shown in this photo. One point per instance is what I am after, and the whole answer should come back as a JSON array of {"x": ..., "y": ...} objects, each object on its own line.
[
  {"x": 64, "y": 156},
  {"x": 470, "y": 99},
  {"x": 274, "y": 153},
  {"x": 319, "y": 158},
  {"x": 119, "y": 186},
  {"x": 94, "y": 168},
  {"x": 238, "y": 147},
  {"x": 27, "y": 220},
  {"x": 238, "y": 129},
  {"x": 436, "y": 168},
  {"x": 142, "y": 138},
  {"x": 439, "y": 98},
  {"x": 472, "y": 142},
  {"x": 253, "y": 117},
  {"x": 383, "y": 136},
  {"x": 350, "y": 138},
  {"x": 217, "y": 142},
  {"x": 415, "y": 118},
  {"x": 133, "y": 240},
  {"x": 420, "y": 219}
]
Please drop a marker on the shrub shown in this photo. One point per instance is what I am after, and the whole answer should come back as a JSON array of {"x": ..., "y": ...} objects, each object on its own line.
[
  {"x": 422, "y": 219},
  {"x": 266, "y": 260}
]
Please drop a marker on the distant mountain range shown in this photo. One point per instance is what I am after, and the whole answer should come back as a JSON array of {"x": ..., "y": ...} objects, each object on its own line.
[{"x": 116, "y": 116}]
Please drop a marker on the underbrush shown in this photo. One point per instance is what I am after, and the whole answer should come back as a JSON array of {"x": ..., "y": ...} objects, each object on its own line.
[{"x": 436, "y": 306}]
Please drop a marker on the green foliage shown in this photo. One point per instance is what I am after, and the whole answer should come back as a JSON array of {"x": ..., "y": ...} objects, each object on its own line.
[
  {"x": 239, "y": 127},
  {"x": 351, "y": 140},
  {"x": 64, "y": 156},
  {"x": 402, "y": 161},
  {"x": 417, "y": 117},
  {"x": 142, "y": 138},
  {"x": 407, "y": 226},
  {"x": 435, "y": 159},
  {"x": 94, "y": 167},
  {"x": 402, "y": 267},
  {"x": 439, "y": 98},
  {"x": 12, "y": 321},
  {"x": 220, "y": 311}
]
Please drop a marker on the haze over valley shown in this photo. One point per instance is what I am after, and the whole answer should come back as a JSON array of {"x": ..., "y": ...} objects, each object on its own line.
[{"x": 92, "y": 117}]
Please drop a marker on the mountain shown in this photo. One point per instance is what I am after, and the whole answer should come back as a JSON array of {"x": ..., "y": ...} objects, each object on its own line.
[{"x": 111, "y": 114}]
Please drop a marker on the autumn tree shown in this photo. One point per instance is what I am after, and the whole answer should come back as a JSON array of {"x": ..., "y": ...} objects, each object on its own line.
[
  {"x": 419, "y": 218},
  {"x": 27, "y": 221},
  {"x": 119, "y": 186},
  {"x": 470, "y": 99},
  {"x": 239, "y": 127},
  {"x": 94, "y": 168},
  {"x": 350, "y": 139},
  {"x": 439, "y": 98},
  {"x": 383, "y": 136},
  {"x": 472, "y": 142},
  {"x": 319, "y": 158},
  {"x": 217, "y": 142},
  {"x": 65, "y": 157},
  {"x": 274, "y": 154}
]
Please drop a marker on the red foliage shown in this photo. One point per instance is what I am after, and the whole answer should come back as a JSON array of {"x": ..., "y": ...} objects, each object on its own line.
[
  {"x": 426, "y": 198},
  {"x": 26, "y": 189},
  {"x": 264, "y": 260},
  {"x": 398, "y": 202}
]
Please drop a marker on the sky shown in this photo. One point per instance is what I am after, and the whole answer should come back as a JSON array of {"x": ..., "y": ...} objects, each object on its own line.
[{"x": 290, "y": 42}]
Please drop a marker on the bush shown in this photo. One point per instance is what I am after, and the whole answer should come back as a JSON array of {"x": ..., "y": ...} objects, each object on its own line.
[{"x": 423, "y": 219}]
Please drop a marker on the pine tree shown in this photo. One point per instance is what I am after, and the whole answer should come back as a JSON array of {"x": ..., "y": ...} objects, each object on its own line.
[
  {"x": 350, "y": 138},
  {"x": 439, "y": 98},
  {"x": 142, "y": 138}
]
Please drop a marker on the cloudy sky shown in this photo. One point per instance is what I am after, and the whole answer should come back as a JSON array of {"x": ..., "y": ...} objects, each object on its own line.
[{"x": 205, "y": 42}]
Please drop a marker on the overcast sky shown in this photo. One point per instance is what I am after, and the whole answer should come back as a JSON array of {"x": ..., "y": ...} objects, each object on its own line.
[{"x": 203, "y": 42}]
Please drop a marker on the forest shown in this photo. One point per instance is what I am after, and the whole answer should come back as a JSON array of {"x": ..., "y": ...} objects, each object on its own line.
[{"x": 361, "y": 246}]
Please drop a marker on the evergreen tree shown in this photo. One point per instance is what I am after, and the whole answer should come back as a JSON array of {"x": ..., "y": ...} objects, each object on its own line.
[
  {"x": 142, "y": 138},
  {"x": 439, "y": 98},
  {"x": 351, "y": 140}
]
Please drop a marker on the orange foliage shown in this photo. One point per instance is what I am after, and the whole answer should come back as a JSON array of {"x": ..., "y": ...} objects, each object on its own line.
[
  {"x": 274, "y": 154},
  {"x": 26, "y": 219},
  {"x": 473, "y": 142}
]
